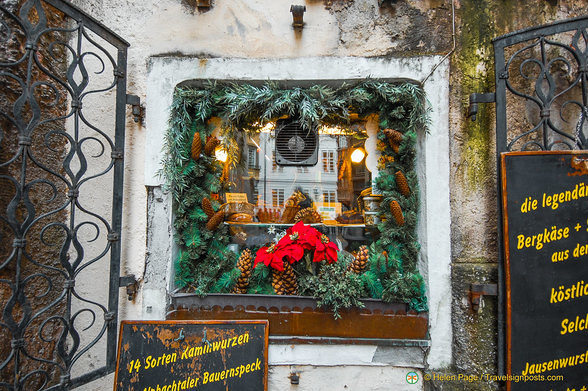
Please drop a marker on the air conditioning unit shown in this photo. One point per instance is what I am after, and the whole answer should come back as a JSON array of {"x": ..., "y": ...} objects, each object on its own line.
[{"x": 295, "y": 146}]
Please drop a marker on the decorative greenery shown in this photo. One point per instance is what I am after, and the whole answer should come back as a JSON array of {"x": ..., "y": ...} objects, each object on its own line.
[
  {"x": 205, "y": 265},
  {"x": 335, "y": 286}
]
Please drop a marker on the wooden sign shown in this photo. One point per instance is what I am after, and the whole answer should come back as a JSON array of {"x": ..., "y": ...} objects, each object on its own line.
[
  {"x": 545, "y": 219},
  {"x": 192, "y": 355}
]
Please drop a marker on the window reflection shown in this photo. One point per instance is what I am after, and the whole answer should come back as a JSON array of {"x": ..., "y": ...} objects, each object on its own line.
[{"x": 276, "y": 193}]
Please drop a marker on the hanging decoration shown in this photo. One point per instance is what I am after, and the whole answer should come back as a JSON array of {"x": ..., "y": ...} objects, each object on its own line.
[{"x": 303, "y": 261}]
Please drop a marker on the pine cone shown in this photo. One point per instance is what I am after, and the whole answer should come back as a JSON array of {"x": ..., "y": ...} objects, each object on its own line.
[
  {"x": 277, "y": 282},
  {"x": 289, "y": 280},
  {"x": 360, "y": 261},
  {"x": 243, "y": 264},
  {"x": 397, "y": 212},
  {"x": 211, "y": 145},
  {"x": 394, "y": 138},
  {"x": 308, "y": 216},
  {"x": 215, "y": 220},
  {"x": 207, "y": 207},
  {"x": 402, "y": 183},
  {"x": 196, "y": 146}
]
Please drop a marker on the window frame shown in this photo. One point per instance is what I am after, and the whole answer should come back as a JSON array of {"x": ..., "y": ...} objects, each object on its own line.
[{"x": 433, "y": 171}]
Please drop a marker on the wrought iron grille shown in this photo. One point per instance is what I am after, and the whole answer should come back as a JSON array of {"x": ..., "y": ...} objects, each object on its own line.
[
  {"x": 58, "y": 237},
  {"x": 541, "y": 91}
]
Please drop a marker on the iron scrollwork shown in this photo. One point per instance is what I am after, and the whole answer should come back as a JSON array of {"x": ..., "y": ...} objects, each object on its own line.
[
  {"x": 52, "y": 230},
  {"x": 541, "y": 88}
]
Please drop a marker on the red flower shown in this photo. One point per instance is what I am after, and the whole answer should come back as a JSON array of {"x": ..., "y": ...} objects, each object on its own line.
[
  {"x": 292, "y": 246},
  {"x": 307, "y": 235},
  {"x": 325, "y": 250},
  {"x": 270, "y": 256}
]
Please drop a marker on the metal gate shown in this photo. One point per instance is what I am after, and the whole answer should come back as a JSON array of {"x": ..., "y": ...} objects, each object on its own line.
[
  {"x": 61, "y": 182},
  {"x": 541, "y": 93},
  {"x": 541, "y": 98}
]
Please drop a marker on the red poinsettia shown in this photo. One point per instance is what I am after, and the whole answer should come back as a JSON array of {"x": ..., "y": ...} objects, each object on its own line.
[
  {"x": 292, "y": 247},
  {"x": 270, "y": 256},
  {"x": 325, "y": 250},
  {"x": 303, "y": 235},
  {"x": 298, "y": 239}
]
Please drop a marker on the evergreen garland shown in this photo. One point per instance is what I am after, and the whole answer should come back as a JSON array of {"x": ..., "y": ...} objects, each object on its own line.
[{"x": 205, "y": 265}]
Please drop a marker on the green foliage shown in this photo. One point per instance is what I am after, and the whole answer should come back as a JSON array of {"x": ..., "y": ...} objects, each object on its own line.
[
  {"x": 260, "y": 281},
  {"x": 227, "y": 281},
  {"x": 204, "y": 263},
  {"x": 335, "y": 287}
]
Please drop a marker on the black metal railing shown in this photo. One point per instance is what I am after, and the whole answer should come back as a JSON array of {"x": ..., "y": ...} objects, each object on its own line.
[{"x": 55, "y": 231}]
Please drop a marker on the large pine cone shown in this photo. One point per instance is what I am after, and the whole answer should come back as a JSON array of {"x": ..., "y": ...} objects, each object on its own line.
[
  {"x": 360, "y": 261},
  {"x": 402, "y": 184},
  {"x": 397, "y": 212},
  {"x": 215, "y": 220},
  {"x": 394, "y": 138},
  {"x": 245, "y": 265},
  {"x": 308, "y": 216},
  {"x": 196, "y": 146},
  {"x": 289, "y": 278},
  {"x": 284, "y": 282},
  {"x": 278, "y": 282},
  {"x": 207, "y": 207}
]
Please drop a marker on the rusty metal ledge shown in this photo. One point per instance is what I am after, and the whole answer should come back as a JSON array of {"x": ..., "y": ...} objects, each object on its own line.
[{"x": 299, "y": 319}]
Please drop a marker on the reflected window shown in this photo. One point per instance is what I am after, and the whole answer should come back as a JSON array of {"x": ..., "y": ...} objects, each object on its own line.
[{"x": 329, "y": 162}]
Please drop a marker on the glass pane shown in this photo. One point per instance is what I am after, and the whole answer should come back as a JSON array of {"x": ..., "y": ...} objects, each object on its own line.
[{"x": 268, "y": 193}]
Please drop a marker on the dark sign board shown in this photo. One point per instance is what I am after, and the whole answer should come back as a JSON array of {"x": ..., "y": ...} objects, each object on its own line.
[
  {"x": 545, "y": 219},
  {"x": 192, "y": 355}
]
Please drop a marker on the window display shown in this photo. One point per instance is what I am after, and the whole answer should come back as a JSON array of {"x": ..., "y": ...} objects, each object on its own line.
[
  {"x": 300, "y": 191},
  {"x": 265, "y": 195}
]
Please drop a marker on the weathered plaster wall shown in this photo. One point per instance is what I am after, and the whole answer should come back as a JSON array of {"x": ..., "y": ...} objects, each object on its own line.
[{"x": 338, "y": 28}]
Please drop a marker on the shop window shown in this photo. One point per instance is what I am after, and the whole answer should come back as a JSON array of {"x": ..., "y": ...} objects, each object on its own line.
[{"x": 327, "y": 209}]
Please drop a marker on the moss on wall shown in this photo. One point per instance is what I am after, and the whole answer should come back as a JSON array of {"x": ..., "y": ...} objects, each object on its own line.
[{"x": 475, "y": 73}]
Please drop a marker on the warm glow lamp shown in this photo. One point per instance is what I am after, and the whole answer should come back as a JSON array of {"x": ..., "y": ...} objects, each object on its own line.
[
  {"x": 357, "y": 155},
  {"x": 221, "y": 154}
]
